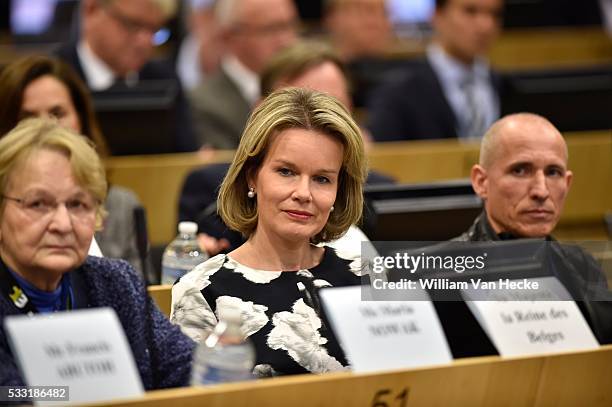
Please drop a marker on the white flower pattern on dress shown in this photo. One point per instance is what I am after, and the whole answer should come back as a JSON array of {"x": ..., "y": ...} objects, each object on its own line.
[
  {"x": 297, "y": 332},
  {"x": 350, "y": 247},
  {"x": 251, "y": 274},
  {"x": 253, "y": 316},
  {"x": 354, "y": 258},
  {"x": 189, "y": 309}
]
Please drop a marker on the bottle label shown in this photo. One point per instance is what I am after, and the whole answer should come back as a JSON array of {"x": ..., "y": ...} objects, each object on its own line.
[
  {"x": 171, "y": 274},
  {"x": 213, "y": 374}
]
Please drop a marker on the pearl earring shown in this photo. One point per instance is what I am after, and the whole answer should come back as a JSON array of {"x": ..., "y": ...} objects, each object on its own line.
[
  {"x": 331, "y": 209},
  {"x": 251, "y": 193}
]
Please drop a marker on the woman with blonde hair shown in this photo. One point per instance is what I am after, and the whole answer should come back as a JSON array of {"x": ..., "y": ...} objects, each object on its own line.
[{"x": 295, "y": 183}]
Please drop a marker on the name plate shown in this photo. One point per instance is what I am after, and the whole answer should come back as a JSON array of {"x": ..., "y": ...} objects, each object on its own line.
[
  {"x": 527, "y": 327},
  {"x": 86, "y": 350},
  {"x": 385, "y": 335}
]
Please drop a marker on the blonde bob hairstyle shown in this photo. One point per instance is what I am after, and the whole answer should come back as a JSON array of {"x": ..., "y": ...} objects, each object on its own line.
[
  {"x": 33, "y": 135},
  {"x": 292, "y": 108}
]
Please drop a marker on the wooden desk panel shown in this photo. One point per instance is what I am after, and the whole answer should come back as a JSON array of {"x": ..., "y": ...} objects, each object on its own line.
[
  {"x": 162, "y": 295},
  {"x": 534, "y": 48},
  {"x": 157, "y": 180},
  {"x": 576, "y": 380},
  {"x": 565, "y": 379},
  {"x": 551, "y": 47}
]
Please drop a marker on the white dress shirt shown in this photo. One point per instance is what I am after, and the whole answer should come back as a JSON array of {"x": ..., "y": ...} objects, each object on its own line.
[
  {"x": 246, "y": 80},
  {"x": 452, "y": 74},
  {"x": 98, "y": 74},
  {"x": 188, "y": 64}
]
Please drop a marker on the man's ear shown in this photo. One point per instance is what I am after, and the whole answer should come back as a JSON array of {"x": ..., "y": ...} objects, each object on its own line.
[
  {"x": 330, "y": 19},
  {"x": 435, "y": 17},
  {"x": 569, "y": 176},
  {"x": 480, "y": 181}
]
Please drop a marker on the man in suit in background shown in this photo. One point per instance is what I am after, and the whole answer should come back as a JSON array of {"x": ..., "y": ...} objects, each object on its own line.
[
  {"x": 199, "y": 54},
  {"x": 452, "y": 92},
  {"x": 358, "y": 28},
  {"x": 361, "y": 33},
  {"x": 252, "y": 31},
  {"x": 116, "y": 46}
]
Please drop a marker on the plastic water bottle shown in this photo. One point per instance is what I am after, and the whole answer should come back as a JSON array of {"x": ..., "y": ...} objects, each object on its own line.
[
  {"x": 225, "y": 355},
  {"x": 182, "y": 254}
]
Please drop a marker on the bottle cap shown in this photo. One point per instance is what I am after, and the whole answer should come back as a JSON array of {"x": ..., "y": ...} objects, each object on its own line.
[{"x": 188, "y": 227}]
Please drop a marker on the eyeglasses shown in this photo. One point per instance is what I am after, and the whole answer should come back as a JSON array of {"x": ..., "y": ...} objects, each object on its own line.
[
  {"x": 269, "y": 30},
  {"x": 133, "y": 26},
  {"x": 42, "y": 206}
]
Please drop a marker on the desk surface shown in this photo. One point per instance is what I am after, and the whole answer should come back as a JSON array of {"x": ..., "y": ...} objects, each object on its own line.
[{"x": 569, "y": 379}]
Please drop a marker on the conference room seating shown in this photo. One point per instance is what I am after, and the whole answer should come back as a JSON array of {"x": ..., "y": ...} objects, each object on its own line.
[{"x": 158, "y": 179}]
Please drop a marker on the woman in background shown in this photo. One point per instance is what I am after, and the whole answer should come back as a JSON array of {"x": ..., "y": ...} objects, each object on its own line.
[
  {"x": 52, "y": 186},
  {"x": 296, "y": 181},
  {"x": 40, "y": 86}
]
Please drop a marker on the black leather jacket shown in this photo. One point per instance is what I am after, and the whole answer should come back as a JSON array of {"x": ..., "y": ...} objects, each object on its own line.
[{"x": 574, "y": 267}]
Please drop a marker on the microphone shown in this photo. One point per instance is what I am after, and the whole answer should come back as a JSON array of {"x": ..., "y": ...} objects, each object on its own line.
[
  {"x": 142, "y": 245},
  {"x": 142, "y": 240},
  {"x": 309, "y": 288}
]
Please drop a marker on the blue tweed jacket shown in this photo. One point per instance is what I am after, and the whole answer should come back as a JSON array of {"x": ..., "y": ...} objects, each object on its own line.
[{"x": 162, "y": 353}]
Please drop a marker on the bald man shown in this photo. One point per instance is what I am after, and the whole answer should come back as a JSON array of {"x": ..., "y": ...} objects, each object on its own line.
[{"x": 523, "y": 179}]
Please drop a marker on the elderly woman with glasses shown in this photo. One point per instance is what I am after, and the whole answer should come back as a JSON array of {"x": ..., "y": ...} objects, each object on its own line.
[{"x": 52, "y": 189}]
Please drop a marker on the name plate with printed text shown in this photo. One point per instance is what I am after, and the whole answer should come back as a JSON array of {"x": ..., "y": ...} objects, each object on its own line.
[
  {"x": 385, "y": 335},
  {"x": 520, "y": 326},
  {"x": 85, "y": 350}
]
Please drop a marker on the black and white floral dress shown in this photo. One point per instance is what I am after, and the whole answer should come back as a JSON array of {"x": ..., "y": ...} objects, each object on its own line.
[{"x": 288, "y": 335}]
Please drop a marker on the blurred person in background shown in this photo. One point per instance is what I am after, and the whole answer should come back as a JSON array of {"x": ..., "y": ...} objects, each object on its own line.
[
  {"x": 361, "y": 33},
  {"x": 200, "y": 51},
  {"x": 40, "y": 86},
  {"x": 308, "y": 64},
  {"x": 358, "y": 28},
  {"x": 452, "y": 93},
  {"x": 116, "y": 47},
  {"x": 252, "y": 32}
]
